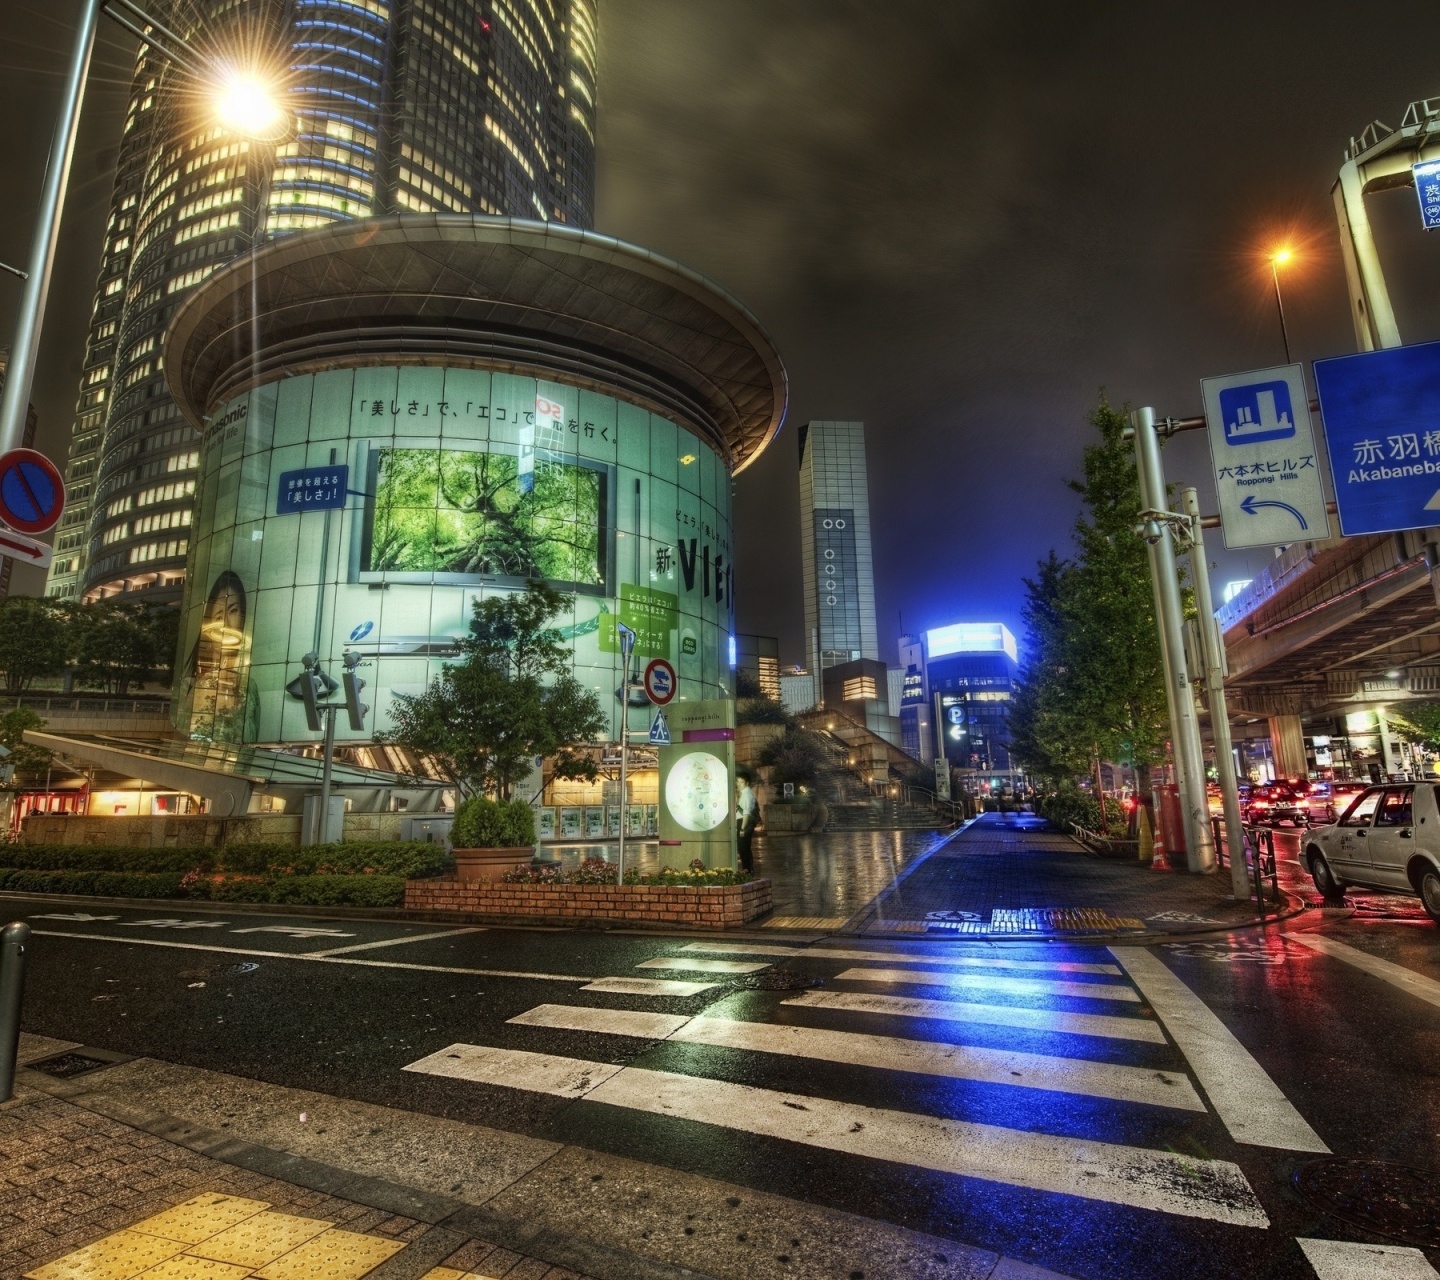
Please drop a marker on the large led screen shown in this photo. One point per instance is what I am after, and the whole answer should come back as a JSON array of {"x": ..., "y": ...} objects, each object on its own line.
[{"x": 462, "y": 512}]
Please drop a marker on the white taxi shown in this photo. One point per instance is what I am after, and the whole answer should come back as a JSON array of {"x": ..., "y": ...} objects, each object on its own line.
[{"x": 1388, "y": 838}]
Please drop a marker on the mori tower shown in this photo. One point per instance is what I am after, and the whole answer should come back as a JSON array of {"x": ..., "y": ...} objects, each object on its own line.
[{"x": 402, "y": 107}]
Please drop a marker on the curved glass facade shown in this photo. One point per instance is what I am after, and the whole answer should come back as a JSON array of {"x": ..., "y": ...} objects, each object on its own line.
[
  {"x": 366, "y": 509},
  {"x": 433, "y": 106}
]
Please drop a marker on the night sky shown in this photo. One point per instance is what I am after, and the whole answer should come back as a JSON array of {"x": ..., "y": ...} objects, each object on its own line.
[{"x": 959, "y": 221}]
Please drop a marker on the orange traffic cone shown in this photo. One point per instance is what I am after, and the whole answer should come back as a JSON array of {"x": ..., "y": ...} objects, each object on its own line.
[{"x": 1159, "y": 862}]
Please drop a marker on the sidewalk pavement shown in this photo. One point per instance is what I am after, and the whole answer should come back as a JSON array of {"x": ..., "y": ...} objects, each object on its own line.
[
  {"x": 80, "y": 1194},
  {"x": 1011, "y": 876}
]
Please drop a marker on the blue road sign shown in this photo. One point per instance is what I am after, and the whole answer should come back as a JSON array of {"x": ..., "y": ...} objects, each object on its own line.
[
  {"x": 312, "y": 489},
  {"x": 32, "y": 494},
  {"x": 660, "y": 729},
  {"x": 1381, "y": 411},
  {"x": 1427, "y": 189},
  {"x": 1263, "y": 457}
]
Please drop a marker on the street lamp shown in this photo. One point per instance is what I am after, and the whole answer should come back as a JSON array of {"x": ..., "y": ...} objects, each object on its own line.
[
  {"x": 1278, "y": 258},
  {"x": 249, "y": 108},
  {"x": 249, "y": 103}
]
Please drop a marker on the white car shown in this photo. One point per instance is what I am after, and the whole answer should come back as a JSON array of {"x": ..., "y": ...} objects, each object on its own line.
[{"x": 1388, "y": 838}]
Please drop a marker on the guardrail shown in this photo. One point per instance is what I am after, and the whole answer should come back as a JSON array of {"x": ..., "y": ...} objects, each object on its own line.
[
  {"x": 61, "y": 702},
  {"x": 1259, "y": 855}
]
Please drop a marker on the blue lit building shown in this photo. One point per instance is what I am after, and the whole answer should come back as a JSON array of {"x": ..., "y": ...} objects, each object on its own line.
[{"x": 959, "y": 686}]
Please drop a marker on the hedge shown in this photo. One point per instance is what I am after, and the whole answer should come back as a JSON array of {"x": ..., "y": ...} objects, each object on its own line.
[
  {"x": 402, "y": 858},
  {"x": 303, "y": 890}
]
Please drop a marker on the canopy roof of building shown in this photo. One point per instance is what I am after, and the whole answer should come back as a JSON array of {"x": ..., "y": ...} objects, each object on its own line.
[
  {"x": 224, "y": 773},
  {"x": 534, "y": 297}
]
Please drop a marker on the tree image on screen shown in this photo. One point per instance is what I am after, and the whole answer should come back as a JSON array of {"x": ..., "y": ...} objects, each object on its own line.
[{"x": 456, "y": 511}]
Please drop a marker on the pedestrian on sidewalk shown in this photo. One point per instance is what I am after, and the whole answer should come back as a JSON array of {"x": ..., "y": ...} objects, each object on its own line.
[{"x": 747, "y": 814}]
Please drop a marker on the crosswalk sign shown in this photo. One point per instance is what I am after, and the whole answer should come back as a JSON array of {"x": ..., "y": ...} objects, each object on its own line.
[{"x": 660, "y": 729}]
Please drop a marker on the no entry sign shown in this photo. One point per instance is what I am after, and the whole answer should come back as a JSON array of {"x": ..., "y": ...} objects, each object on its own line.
[
  {"x": 660, "y": 682},
  {"x": 32, "y": 494}
]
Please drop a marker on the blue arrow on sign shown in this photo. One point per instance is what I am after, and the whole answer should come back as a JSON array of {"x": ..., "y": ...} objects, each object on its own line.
[{"x": 1251, "y": 506}]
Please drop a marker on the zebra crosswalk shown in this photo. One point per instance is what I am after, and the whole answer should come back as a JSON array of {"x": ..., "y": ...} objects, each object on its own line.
[{"x": 1035, "y": 1031}]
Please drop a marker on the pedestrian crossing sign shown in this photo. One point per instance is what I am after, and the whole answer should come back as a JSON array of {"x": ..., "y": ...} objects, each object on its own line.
[{"x": 660, "y": 729}]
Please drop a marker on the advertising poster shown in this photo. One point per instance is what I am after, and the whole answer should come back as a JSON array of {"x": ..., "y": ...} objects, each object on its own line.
[
  {"x": 594, "y": 822},
  {"x": 570, "y": 824},
  {"x": 612, "y": 820},
  {"x": 545, "y": 822},
  {"x": 635, "y": 820},
  {"x": 697, "y": 785}
]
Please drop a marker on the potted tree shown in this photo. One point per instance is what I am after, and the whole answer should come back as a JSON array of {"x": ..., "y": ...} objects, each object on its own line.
[{"x": 490, "y": 837}]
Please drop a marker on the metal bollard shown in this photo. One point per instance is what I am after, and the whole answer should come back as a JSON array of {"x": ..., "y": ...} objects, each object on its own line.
[{"x": 13, "y": 938}]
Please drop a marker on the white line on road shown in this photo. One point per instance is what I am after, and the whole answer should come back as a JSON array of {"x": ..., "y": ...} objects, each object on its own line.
[
  {"x": 903, "y": 957},
  {"x": 1158, "y": 1180},
  {"x": 1342, "y": 1260},
  {"x": 396, "y": 942},
  {"x": 1244, "y": 1096},
  {"x": 1008, "y": 986},
  {"x": 1415, "y": 984},
  {"x": 1008, "y": 1067},
  {"x": 649, "y": 986},
  {"x": 313, "y": 959},
  {"x": 701, "y": 966},
  {"x": 540, "y": 1072},
  {"x": 1000, "y": 1015}
]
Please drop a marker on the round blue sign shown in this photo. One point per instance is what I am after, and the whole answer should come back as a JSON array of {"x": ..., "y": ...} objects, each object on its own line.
[
  {"x": 363, "y": 630},
  {"x": 32, "y": 494}
]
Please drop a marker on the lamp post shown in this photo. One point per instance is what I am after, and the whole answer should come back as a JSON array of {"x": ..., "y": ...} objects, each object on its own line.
[
  {"x": 242, "y": 106},
  {"x": 1279, "y": 258},
  {"x": 627, "y": 648}
]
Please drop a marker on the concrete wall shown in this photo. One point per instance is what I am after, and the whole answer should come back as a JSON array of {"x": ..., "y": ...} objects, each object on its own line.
[{"x": 192, "y": 830}]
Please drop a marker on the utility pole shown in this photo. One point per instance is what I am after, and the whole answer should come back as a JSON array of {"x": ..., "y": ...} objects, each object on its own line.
[
  {"x": 1212, "y": 646},
  {"x": 627, "y": 648},
  {"x": 1157, "y": 519}
]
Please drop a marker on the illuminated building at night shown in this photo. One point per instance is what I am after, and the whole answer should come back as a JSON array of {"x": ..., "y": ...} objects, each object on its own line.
[
  {"x": 428, "y": 107},
  {"x": 959, "y": 686},
  {"x": 835, "y": 545}
]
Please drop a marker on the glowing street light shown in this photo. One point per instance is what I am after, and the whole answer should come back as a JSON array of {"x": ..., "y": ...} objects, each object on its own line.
[
  {"x": 248, "y": 103},
  {"x": 1278, "y": 258}
]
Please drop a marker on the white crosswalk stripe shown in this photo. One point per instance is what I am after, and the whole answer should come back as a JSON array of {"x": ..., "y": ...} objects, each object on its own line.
[
  {"x": 1011, "y": 1068},
  {"x": 1136, "y": 1176},
  {"x": 1343, "y": 1260},
  {"x": 696, "y": 965},
  {"x": 1000, "y": 1015},
  {"x": 996, "y": 982},
  {"x": 850, "y": 953},
  {"x": 1127, "y": 1062}
]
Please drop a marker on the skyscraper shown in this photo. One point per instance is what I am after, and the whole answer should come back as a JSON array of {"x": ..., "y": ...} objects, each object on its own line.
[
  {"x": 835, "y": 544},
  {"x": 429, "y": 106}
]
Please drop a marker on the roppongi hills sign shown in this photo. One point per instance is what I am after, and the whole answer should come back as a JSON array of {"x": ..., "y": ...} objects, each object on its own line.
[{"x": 368, "y": 508}]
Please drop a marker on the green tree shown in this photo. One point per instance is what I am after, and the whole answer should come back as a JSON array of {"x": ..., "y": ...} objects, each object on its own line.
[
  {"x": 118, "y": 644},
  {"x": 1093, "y": 687},
  {"x": 1419, "y": 720},
  {"x": 26, "y": 759},
  {"x": 510, "y": 697},
  {"x": 34, "y": 642}
]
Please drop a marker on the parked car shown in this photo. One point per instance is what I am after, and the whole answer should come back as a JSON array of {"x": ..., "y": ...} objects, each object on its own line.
[
  {"x": 1388, "y": 838},
  {"x": 1275, "y": 803}
]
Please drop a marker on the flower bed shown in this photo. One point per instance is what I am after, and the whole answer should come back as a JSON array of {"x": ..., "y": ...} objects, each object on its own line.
[{"x": 668, "y": 904}]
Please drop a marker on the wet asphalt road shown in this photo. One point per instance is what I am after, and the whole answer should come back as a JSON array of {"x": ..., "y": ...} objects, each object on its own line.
[{"x": 1352, "y": 1054}]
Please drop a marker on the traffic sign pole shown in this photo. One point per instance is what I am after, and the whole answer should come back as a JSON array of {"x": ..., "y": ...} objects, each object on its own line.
[
  {"x": 1213, "y": 648},
  {"x": 1189, "y": 758}
]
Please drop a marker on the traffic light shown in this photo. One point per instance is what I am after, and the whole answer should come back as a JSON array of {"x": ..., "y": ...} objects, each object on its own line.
[
  {"x": 310, "y": 686},
  {"x": 354, "y": 708}
]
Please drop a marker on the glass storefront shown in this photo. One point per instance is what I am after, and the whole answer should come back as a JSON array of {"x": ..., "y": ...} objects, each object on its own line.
[{"x": 366, "y": 509}]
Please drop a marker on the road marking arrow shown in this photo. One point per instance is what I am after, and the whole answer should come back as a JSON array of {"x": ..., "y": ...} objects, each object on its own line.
[{"x": 1251, "y": 506}]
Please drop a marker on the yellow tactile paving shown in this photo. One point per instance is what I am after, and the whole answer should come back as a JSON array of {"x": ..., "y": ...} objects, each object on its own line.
[
  {"x": 260, "y": 1239},
  {"x": 185, "y": 1267},
  {"x": 332, "y": 1255},
  {"x": 201, "y": 1218},
  {"x": 116, "y": 1257}
]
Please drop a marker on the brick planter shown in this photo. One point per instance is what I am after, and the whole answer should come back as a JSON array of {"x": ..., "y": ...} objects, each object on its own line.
[{"x": 664, "y": 906}]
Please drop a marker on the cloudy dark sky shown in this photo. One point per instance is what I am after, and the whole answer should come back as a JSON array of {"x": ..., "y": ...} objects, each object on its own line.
[{"x": 958, "y": 220}]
